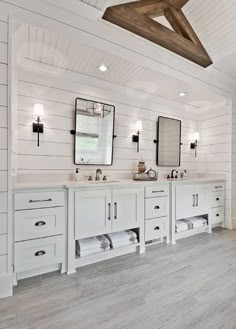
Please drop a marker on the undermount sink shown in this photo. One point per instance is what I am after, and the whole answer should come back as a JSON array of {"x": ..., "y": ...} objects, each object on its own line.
[{"x": 103, "y": 182}]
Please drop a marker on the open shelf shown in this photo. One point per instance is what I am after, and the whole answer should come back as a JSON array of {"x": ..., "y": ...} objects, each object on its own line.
[
  {"x": 191, "y": 232},
  {"x": 108, "y": 254}
]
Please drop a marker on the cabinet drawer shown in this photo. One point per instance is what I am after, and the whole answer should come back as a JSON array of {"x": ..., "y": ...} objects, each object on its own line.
[
  {"x": 3, "y": 223},
  {"x": 3, "y": 264},
  {"x": 155, "y": 228},
  {"x": 38, "y": 253},
  {"x": 217, "y": 187},
  {"x": 156, "y": 207},
  {"x": 217, "y": 215},
  {"x": 155, "y": 191},
  {"x": 32, "y": 224},
  {"x": 39, "y": 200},
  {"x": 217, "y": 199},
  {"x": 3, "y": 244}
]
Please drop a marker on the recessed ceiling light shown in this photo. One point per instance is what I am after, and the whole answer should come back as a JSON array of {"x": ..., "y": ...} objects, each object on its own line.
[
  {"x": 103, "y": 68},
  {"x": 182, "y": 94}
]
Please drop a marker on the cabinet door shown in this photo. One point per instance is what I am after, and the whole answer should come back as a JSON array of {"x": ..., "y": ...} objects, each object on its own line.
[
  {"x": 92, "y": 213},
  {"x": 202, "y": 199},
  {"x": 127, "y": 208},
  {"x": 185, "y": 201}
]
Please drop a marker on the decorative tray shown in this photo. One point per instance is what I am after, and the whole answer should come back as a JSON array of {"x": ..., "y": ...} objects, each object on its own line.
[{"x": 144, "y": 178}]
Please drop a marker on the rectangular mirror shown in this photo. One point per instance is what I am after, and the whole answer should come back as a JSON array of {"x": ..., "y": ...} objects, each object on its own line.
[
  {"x": 94, "y": 132},
  {"x": 168, "y": 142}
]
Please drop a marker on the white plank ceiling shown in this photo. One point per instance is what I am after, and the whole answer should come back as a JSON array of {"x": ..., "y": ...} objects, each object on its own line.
[
  {"x": 55, "y": 51},
  {"x": 213, "y": 20}
]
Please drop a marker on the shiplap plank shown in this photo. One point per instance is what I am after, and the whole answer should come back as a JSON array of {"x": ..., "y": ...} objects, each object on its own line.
[
  {"x": 3, "y": 138},
  {"x": 3, "y": 157},
  {"x": 3, "y": 181},
  {"x": 3, "y": 53},
  {"x": 3, "y": 95},
  {"x": 3, "y": 202},
  {"x": 3, "y": 117},
  {"x": 3, "y": 32}
]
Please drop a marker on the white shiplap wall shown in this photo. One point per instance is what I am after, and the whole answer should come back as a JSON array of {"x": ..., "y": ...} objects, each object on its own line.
[
  {"x": 234, "y": 165},
  {"x": 55, "y": 153},
  {"x": 215, "y": 143},
  {"x": 5, "y": 262}
]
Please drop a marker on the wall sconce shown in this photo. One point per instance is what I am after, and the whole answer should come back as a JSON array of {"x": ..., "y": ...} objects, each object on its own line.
[
  {"x": 194, "y": 145},
  {"x": 135, "y": 138},
  {"x": 38, "y": 114}
]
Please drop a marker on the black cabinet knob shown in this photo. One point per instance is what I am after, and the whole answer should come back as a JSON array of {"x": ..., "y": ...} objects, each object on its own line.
[
  {"x": 156, "y": 228},
  {"x": 157, "y": 207},
  {"x": 217, "y": 199}
]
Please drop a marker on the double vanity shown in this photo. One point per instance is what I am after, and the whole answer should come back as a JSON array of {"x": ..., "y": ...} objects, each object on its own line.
[{"x": 50, "y": 218}]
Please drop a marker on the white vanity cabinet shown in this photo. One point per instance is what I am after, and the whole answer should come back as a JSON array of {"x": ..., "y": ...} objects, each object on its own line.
[
  {"x": 191, "y": 200},
  {"x": 94, "y": 211},
  {"x": 201, "y": 199},
  {"x": 104, "y": 211},
  {"x": 39, "y": 231}
]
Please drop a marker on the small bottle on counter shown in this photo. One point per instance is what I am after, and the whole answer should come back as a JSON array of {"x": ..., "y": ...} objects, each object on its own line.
[
  {"x": 76, "y": 175},
  {"x": 185, "y": 174}
]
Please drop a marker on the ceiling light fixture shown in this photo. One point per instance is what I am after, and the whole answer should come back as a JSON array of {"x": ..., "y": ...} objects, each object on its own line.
[
  {"x": 182, "y": 94},
  {"x": 103, "y": 68}
]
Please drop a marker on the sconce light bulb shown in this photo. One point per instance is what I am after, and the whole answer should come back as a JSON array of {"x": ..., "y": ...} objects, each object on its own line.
[
  {"x": 38, "y": 111},
  {"x": 139, "y": 126},
  {"x": 196, "y": 136}
]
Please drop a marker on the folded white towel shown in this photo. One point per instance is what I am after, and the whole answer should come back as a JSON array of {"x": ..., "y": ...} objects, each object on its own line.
[
  {"x": 84, "y": 253},
  {"x": 181, "y": 226},
  {"x": 118, "y": 244},
  {"x": 123, "y": 236},
  {"x": 89, "y": 246},
  {"x": 198, "y": 222}
]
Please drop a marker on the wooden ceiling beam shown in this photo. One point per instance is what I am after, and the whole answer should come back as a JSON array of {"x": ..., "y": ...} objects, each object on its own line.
[
  {"x": 178, "y": 4},
  {"x": 136, "y": 16},
  {"x": 151, "y": 8}
]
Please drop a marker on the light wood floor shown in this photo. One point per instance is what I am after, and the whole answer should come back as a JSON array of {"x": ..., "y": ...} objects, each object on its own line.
[{"x": 187, "y": 286}]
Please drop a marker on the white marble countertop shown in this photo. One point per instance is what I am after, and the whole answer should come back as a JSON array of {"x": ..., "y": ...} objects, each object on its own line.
[{"x": 111, "y": 183}]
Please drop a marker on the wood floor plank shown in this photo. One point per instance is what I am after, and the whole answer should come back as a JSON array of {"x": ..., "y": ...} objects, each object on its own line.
[{"x": 188, "y": 285}]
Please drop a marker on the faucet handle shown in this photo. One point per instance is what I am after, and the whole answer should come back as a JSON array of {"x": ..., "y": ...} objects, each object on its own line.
[{"x": 90, "y": 178}]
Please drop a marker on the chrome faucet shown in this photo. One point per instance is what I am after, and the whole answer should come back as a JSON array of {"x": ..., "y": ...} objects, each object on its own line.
[
  {"x": 98, "y": 172},
  {"x": 172, "y": 173}
]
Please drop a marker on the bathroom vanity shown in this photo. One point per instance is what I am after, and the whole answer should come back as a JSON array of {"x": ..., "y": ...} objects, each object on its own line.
[{"x": 49, "y": 218}]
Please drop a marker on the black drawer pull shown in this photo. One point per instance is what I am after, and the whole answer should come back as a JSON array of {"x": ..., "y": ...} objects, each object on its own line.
[
  {"x": 217, "y": 215},
  {"x": 48, "y": 200},
  {"x": 40, "y": 223},
  {"x": 40, "y": 253},
  {"x": 218, "y": 186},
  {"x": 161, "y": 191},
  {"x": 217, "y": 199},
  {"x": 156, "y": 228},
  {"x": 157, "y": 207}
]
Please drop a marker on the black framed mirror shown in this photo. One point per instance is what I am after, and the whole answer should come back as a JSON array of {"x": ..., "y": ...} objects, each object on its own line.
[
  {"x": 94, "y": 132},
  {"x": 168, "y": 142}
]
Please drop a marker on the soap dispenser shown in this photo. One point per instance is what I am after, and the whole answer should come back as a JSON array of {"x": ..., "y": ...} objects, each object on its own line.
[{"x": 76, "y": 175}]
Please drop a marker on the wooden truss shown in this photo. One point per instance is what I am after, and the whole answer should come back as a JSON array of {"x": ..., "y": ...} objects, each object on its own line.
[{"x": 137, "y": 17}]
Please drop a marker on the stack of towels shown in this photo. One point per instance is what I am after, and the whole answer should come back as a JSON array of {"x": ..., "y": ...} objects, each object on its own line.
[
  {"x": 89, "y": 246},
  {"x": 121, "y": 239},
  {"x": 189, "y": 224}
]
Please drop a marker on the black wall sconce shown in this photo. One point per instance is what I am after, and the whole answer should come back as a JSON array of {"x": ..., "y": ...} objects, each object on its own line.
[
  {"x": 135, "y": 138},
  {"x": 38, "y": 125},
  {"x": 193, "y": 146}
]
